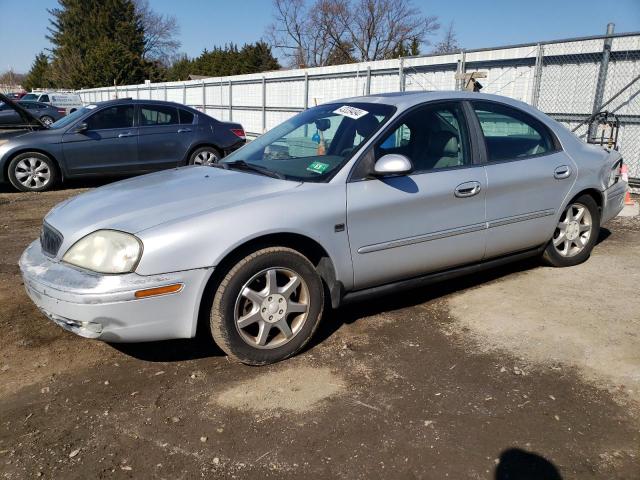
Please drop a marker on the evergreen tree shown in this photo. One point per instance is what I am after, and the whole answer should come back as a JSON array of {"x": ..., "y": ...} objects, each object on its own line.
[
  {"x": 39, "y": 75},
  {"x": 96, "y": 43}
]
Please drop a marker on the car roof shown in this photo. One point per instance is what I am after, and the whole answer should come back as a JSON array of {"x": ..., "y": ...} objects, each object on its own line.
[
  {"x": 145, "y": 102},
  {"x": 404, "y": 100}
]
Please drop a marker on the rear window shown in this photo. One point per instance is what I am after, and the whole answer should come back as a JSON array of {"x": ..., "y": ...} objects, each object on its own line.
[
  {"x": 30, "y": 96},
  {"x": 158, "y": 115}
]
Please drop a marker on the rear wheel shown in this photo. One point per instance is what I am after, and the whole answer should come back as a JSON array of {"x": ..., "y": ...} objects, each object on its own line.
[
  {"x": 32, "y": 172},
  {"x": 46, "y": 119},
  {"x": 267, "y": 306},
  {"x": 205, "y": 156},
  {"x": 575, "y": 235}
]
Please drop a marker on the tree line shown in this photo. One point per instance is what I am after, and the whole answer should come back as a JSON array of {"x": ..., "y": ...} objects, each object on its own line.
[{"x": 105, "y": 42}]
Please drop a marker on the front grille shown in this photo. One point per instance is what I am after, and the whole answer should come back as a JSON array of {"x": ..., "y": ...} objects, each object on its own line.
[{"x": 50, "y": 240}]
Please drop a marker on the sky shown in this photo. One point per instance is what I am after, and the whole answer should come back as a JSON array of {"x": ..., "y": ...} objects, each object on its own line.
[{"x": 206, "y": 23}]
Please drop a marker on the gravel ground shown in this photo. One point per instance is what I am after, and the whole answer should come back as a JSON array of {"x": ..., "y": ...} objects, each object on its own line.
[{"x": 523, "y": 372}]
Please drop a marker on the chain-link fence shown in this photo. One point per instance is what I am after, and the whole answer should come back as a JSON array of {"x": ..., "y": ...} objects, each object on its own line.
[{"x": 571, "y": 80}]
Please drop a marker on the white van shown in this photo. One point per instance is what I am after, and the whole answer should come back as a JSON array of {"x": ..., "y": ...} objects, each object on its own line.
[{"x": 67, "y": 101}]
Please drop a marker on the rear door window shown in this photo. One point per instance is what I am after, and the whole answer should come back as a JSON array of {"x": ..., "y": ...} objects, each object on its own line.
[
  {"x": 510, "y": 133},
  {"x": 151, "y": 115},
  {"x": 186, "y": 117},
  {"x": 119, "y": 116}
]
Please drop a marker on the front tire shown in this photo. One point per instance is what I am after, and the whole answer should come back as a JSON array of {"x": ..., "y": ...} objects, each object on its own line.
[
  {"x": 267, "y": 307},
  {"x": 575, "y": 235},
  {"x": 32, "y": 172}
]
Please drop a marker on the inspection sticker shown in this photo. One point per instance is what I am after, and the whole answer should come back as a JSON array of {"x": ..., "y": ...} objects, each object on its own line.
[
  {"x": 351, "y": 112},
  {"x": 318, "y": 167},
  {"x": 91, "y": 107}
]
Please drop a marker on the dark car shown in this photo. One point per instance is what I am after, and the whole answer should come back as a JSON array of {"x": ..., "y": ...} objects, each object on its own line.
[
  {"x": 15, "y": 96},
  {"x": 44, "y": 112},
  {"x": 118, "y": 137}
]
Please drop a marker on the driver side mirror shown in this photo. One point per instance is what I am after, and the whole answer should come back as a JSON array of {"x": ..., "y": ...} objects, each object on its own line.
[
  {"x": 81, "y": 128},
  {"x": 392, "y": 164}
]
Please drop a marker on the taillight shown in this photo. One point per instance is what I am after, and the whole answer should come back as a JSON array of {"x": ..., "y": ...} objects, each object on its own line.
[
  {"x": 62, "y": 111},
  {"x": 239, "y": 132}
]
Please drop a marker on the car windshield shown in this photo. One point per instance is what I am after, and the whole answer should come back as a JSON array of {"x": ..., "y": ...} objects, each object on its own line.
[
  {"x": 315, "y": 144},
  {"x": 30, "y": 96},
  {"x": 69, "y": 119}
]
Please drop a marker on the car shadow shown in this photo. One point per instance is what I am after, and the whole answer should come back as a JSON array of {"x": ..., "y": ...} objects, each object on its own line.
[
  {"x": 203, "y": 346},
  {"x": 517, "y": 464}
]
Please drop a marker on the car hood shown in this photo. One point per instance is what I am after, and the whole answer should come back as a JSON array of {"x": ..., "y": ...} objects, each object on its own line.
[
  {"x": 143, "y": 202},
  {"x": 26, "y": 115}
]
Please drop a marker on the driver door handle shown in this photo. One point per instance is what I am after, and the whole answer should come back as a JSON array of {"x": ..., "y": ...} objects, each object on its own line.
[
  {"x": 563, "y": 171},
  {"x": 467, "y": 189},
  {"x": 124, "y": 134},
  {"x": 184, "y": 130}
]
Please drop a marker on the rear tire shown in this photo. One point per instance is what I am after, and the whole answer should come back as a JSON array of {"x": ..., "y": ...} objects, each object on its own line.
[
  {"x": 32, "y": 172},
  {"x": 575, "y": 235},
  {"x": 46, "y": 119},
  {"x": 205, "y": 156},
  {"x": 267, "y": 307}
]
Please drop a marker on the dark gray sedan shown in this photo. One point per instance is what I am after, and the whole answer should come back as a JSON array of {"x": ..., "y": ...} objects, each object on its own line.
[
  {"x": 47, "y": 114},
  {"x": 118, "y": 137}
]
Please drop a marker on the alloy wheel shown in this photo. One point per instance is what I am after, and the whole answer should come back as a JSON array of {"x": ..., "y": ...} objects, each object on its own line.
[
  {"x": 32, "y": 172},
  {"x": 573, "y": 231},
  {"x": 272, "y": 308},
  {"x": 206, "y": 158}
]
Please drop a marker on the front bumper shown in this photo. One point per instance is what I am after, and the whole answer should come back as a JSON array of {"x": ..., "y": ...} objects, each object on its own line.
[{"x": 105, "y": 307}]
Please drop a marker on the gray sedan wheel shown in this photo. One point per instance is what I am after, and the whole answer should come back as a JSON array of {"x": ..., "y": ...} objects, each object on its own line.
[
  {"x": 47, "y": 120},
  {"x": 267, "y": 306},
  {"x": 575, "y": 234},
  {"x": 32, "y": 172},
  {"x": 205, "y": 156}
]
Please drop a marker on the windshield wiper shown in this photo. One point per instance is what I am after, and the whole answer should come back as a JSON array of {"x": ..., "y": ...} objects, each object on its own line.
[{"x": 242, "y": 165}]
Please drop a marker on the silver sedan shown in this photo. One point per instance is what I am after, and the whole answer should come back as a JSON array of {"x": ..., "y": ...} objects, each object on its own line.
[{"x": 345, "y": 200}]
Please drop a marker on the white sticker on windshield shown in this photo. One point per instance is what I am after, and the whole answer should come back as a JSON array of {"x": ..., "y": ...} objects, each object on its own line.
[
  {"x": 351, "y": 112},
  {"x": 91, "y": 107}
]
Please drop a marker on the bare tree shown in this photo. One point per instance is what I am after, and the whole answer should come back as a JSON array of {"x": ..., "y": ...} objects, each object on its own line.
[
  {"x": 323, "y": 31},
  {"x": 160, "y": 32},
  {"x": 377, "y": 27},
  {"x": 448, "y": 44}
]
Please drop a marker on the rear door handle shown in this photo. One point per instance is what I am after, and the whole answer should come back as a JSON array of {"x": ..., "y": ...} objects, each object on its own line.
[
  {"x": 184, "y": 130},
  {"x": 563, "y": 171},
  {"x": 124, "y": 134},
  {"x": 467, "y": 189}
]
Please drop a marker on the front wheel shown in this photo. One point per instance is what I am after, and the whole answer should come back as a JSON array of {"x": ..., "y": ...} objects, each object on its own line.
[
  {"x": 32, "y": 172},
  {"x": 575, "y": 235},
  {"x": 267, "y": 307}
]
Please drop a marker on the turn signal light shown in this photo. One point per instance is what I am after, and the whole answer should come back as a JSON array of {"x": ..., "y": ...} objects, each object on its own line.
[{"x": 165, "y": 290}]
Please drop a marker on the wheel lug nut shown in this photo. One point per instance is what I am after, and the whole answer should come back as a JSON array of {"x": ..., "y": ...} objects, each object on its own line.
[
  {"x": 270, "y": 317},
  {"x": 279, "y": 300},
  {"x": 270, "y": 298},
  {"x": 264, "y": 309},
  {"x": 280, "y": 312}
]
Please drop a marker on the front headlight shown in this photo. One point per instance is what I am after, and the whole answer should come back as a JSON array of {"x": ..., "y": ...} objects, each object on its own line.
[{"x": 105, "y": 251}]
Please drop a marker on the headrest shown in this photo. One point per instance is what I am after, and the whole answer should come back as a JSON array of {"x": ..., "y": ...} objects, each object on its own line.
[
  {"x": 443, "y": 144},
  {"x": 366, "y": 125}
]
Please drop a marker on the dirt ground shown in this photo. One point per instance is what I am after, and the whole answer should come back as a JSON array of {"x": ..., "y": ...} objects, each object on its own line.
[{"x": 524, "y": 372}]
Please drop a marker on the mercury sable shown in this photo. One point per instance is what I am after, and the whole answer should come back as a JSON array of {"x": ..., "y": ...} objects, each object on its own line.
[{"x": 348, "y": 199}]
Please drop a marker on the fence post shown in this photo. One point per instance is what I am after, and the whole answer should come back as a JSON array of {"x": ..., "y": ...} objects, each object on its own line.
[
  {"x": 165, "y": 92},
  {"x": 602, "y": 77},
  {"x": 137, "y": 92},
  {"x": 306, "y": 90},
  {"x": 461, "y": 71},
  {"x": 537, "y": 76},
  {"x": 264, "y": 105},
  {"x": 204, "y": 98},
  {"x": 230, "y": 101},
  {"x": 369, "y": 80},
  {"x": 401, "y": 74},
  {"x": 184, "y": 93}
]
